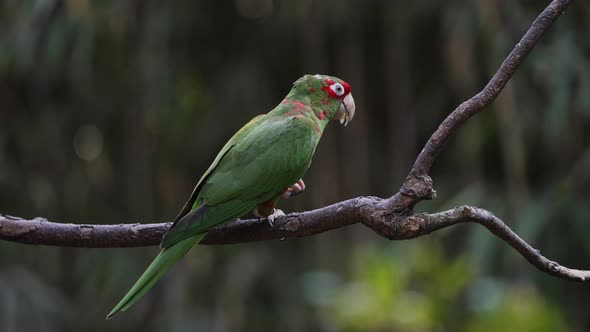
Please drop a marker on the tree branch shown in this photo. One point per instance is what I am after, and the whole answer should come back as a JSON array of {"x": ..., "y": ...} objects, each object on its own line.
[
  {"x": 392, "y": 218},
  {"x": 371, "y": 211},
  {"x": 41, "y": 231},
  {"x": 424, "y": 223},
  {"x": 462, "y": 214},
  {"x": 486, "y": 96}
]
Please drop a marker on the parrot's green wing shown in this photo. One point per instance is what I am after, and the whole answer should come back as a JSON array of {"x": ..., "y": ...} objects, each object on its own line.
[
  {"x": 189, "y": 205},
  {"x": 171, "y": 254},
  {"x": 263, "y": 163},
  {"x": 253, "y": 167}
]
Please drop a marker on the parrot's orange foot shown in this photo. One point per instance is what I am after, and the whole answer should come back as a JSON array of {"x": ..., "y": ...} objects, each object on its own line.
[
  {"x": 295, "y": 189},
  {"x": 274, "y": 215}
]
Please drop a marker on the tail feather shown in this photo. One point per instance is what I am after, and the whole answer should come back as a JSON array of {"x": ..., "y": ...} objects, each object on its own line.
[{"x": 161, "y": 264}]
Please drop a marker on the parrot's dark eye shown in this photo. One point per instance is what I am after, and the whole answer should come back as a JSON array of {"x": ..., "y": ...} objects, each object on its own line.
[{"x": 338, "y": 89}]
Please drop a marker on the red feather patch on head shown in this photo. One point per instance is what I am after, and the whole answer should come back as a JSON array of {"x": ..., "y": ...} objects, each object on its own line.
[
  {"x": 347, "y": 87},
  {"x": 329, "y": 82},
  {"x": 328, "y": 90}
]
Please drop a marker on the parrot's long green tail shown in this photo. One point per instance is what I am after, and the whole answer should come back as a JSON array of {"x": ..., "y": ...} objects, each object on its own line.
[{"x": 161, "y": 264}]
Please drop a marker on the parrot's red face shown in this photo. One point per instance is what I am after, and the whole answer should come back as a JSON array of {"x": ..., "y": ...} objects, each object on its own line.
[
  {"x": 341, "y": 91},
  {"x": 337, "y": 90}
]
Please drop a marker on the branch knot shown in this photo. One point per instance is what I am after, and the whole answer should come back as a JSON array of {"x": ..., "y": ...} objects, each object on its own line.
[{"x": 418, "y": 186}]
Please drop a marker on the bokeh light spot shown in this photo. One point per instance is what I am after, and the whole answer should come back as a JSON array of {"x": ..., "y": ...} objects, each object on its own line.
[{"x": 88, "y": 142}]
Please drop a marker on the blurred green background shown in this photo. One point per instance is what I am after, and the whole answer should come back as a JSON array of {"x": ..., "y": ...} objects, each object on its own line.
[{"x": 111, "y": 110}]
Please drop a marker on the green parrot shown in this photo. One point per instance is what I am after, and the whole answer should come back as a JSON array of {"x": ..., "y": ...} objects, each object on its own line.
[{"x": 262, "y": 162}]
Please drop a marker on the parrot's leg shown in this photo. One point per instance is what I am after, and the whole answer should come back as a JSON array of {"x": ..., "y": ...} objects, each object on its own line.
[
  {"x": 295, "y": 189},
  {"x": 276, "y": 213},
  {"x": 267, "y": 210}
]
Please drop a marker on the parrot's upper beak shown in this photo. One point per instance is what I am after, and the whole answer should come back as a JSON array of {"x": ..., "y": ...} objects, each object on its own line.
[{"x": 346, "y": 112}]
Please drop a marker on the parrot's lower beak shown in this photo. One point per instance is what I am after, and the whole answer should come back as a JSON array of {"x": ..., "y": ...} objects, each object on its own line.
[{"x": 347, "y": 108}]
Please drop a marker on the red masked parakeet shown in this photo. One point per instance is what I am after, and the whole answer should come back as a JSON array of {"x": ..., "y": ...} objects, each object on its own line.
[{"x": 262, "y": 162}]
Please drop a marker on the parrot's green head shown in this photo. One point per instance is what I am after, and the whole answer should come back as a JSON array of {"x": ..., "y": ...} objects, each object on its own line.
[{"x": 329, "y": 95}]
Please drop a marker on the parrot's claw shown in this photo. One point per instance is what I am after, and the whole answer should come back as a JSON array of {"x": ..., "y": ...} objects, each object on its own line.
[
  {"x": 295, "y": 189},
  {"x": 276, "y": 213}
]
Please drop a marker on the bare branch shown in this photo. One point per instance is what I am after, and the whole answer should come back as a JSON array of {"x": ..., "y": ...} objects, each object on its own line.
[
  {"x": 371, "y": 211},
  {"x": 421, "y": 224},
  {"x": 486, "y": 96},
  {"x": 41, "y": 231},
  {"x": 462, "y": 214},
  {"x": 392, "y": 218}
]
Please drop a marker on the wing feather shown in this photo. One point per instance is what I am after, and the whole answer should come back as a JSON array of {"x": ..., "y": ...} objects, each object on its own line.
[
  {"x": 190, "y": 203},
  {"x": 271, "y": 156}
]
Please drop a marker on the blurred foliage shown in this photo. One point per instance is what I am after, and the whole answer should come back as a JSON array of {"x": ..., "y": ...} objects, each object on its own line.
[
  {"x": 422, "y": 290},
  {"x": 110, "y": 111}
]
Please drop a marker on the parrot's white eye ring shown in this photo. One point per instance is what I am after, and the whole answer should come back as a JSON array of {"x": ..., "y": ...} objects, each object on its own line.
[{"x": 338, "y": 89}]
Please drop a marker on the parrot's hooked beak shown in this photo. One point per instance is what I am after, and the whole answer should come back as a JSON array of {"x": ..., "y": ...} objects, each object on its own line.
[{"x": 346, "y": 111}]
